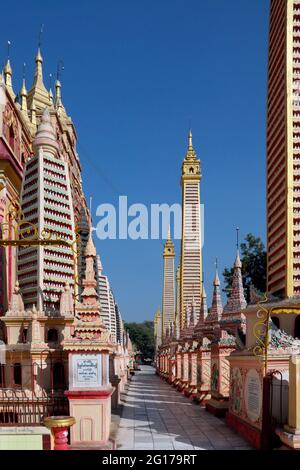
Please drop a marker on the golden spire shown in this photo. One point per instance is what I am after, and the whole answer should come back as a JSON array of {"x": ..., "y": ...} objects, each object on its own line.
[
  {"x": 191, "y": 168},
  {"x": 38, "y": 91},
  {"x": 38, "y": 75},
  {"x": 191, "y": 154},
  {"x": 58, "y": 102},
  {"x": 169, "y": 246},
  {"x": 190, "y": 140},
  {"x": 8, "y": 77},
  {"x": 23, "y": 96}
]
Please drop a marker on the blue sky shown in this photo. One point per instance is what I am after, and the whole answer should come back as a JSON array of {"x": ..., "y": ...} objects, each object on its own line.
[{"x": 137, "y": 73}]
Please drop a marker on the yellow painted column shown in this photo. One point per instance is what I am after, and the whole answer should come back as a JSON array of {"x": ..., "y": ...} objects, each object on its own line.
[{"x": 294, "y": 395}]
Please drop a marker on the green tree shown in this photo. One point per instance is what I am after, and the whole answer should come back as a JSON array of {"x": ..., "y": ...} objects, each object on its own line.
[
  {"x": 142, "y": 336},
  {"x": 254, "y": 266}
]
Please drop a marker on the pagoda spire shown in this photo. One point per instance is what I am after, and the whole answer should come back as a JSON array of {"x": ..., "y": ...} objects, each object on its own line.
[
  {"x": 216, "y": 307},
  {"x": 38, "y": 92},
  {"x": 236, "y": 302},
  {"x": 191, "y": 154},
  {"x": 38, "y": 75},
  {"x": 58, "y": 102},
  {"x": 7, "y": 72},
  {"x": 23, "y": 97},
  {"x": 190, "y": 140},
  {"x": 203, "y": 308}
]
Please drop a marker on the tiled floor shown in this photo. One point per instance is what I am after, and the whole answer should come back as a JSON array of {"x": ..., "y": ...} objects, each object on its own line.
[{"x": 156, "y": 416}]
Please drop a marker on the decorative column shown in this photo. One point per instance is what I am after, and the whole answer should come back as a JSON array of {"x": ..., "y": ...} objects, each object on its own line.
[
  {"x": 203, "y": 372},
  {"x": 90, "y": 390},
  {"x": 221, "y": 348},
  {"x": 114, "y": 380},
  {"x": 203, "y": 354},
  {"x": 193, "y": 373},
  {"x": 290, "y": 435},
  {"x": 59, "y": 426},
  {"x": 179, "y": 366}
]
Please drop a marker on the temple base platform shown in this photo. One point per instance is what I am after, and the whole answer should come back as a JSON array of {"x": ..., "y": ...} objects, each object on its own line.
[{"x": 248, "y": 432}]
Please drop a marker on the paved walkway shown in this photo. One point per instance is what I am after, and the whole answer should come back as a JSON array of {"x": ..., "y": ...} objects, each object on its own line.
[{"x": 156, "y": 416}]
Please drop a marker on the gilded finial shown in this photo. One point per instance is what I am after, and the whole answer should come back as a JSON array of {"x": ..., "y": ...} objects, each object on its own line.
[
  {"x": 237, "y": 263},
  {"x": 38, "y": 57},
  {"x": 191, "y": 155},
  {"x": 169, "y": 233},
  {"x": 190, "y": 139},
  {"x": 7, "y": 72},
  {"x": 23, "y": 92},
  {"x": 169, "y": 246},
  {"x": 216, "y": 280}
]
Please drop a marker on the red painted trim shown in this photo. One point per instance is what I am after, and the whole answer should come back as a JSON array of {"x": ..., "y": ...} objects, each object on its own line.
[
  {"x": 251, "y": 434},
  {"x": 88, "y": 394},
  {"x": 46, "y": 442}
]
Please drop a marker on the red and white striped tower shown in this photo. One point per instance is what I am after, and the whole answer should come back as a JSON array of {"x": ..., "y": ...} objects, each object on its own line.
[
  {"x": 168, "y": 305},
  {"x": 191, "y": 258}
]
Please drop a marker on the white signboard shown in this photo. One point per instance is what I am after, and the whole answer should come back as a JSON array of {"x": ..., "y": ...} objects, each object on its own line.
[
  {"x": 86, "y": 371},
  {"x": 253, "y": 395}
]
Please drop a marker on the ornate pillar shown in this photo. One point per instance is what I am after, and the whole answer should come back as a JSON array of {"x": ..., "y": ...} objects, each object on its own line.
[{"x": 221, "y": 348}]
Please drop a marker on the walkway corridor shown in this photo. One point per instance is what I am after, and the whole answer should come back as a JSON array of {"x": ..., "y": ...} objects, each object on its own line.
[{"x": 156, "y": 416}]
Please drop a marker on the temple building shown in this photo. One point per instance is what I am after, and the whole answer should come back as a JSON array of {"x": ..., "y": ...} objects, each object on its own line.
[
  {"x": 283, "y": 150},
  {"x": 46, "y": 202},
  {"x": 53, "y": 310},
  {"x": 191, "y": 256},
  {"x": 20, "y": 115},
  {"x": 168, "y": 303}
]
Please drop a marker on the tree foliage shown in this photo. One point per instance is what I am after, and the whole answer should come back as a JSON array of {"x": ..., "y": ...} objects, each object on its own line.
[
  {"x": 254, "y": 266},
  {"x": 142, "y": 336}
]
